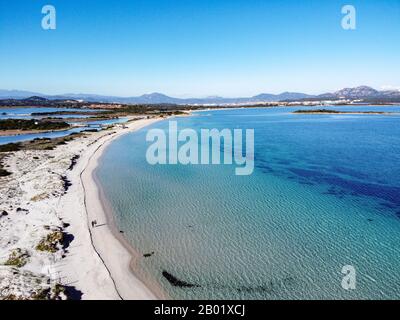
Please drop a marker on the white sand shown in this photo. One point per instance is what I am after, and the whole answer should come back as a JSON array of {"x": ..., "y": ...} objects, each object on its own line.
[{"x": 96, "y": 262}]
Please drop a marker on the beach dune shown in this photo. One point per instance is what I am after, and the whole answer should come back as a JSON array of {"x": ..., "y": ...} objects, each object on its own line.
[{"x": 35, "y": 204}]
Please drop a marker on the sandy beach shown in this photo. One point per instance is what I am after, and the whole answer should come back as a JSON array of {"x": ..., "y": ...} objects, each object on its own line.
[
  {"x": 48, "y": 245},
  {"x": 110, "y": 246}
]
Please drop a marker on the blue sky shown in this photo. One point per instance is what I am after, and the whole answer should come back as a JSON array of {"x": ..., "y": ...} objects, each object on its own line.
[{"x": 198, "y": 48}]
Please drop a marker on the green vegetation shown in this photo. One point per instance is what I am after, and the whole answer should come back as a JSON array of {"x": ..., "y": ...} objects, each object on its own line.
[
  {"x": 43, "y": 294},
  {"x": 18, "y": 258},
  {"x": 317, "y": 111},
  {"x": 39, "y": 144},
  {"x": 58, "y": 290},
  {"x": 3, "y": 172},
  {"x": 51, "y": 243},
  {"x": 11, "y": 297},
  {"x": 19, "y": 124},
  {"x": 11, "y": 147},
  {"x": 54, "y": 293},
  {"x": 327, "y": 111},
  {"x": 63, "y": 113}
]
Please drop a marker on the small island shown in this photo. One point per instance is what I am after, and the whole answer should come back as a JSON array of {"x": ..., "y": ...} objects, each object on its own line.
[{"x": 328, "y": 111}]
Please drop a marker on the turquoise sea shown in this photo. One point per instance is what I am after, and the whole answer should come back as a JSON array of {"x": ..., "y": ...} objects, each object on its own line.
[{"x": 325, "y": 193}]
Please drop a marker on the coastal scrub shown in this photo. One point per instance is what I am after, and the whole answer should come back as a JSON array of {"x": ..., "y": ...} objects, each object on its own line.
[
  {"x": 20, "y": 124},
  {"x": 51, "y": 243},
  {"x": 18, "y": 258}
]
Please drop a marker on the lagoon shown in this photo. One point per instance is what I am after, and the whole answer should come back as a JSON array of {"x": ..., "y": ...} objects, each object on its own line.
[
  {"x": 324, "y": 194},
  {"x": 26, "y": 113}
]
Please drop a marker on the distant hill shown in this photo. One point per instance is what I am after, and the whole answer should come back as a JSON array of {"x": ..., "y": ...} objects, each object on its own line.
[
  {"x": 282, "y": 97},
  {"x": 358, "y": 92},
  {"x": 40, "y": 101},
  {"x": 154, "y": 98},
  {"x": 17, "y": 94},
  {"x": 363, "y": 93}
]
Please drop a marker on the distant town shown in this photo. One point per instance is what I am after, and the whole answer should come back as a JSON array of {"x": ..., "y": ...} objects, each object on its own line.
[{"x": 348, "y": 96}]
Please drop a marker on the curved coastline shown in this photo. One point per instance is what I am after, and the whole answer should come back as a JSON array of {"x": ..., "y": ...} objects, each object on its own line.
[
  {"x": 118, "y": 234},
  {"x": 113, "y": 249}
]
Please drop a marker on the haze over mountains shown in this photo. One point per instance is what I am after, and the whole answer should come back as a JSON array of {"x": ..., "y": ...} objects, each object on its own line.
[{"x": 362, "y": 92}]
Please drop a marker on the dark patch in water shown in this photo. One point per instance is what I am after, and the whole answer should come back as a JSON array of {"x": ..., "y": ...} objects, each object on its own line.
[
  {"x": 176, "y": 282},
  {"x": 335, "y": 192},
  {"x": 267, "y": 170},
  {"x": 284, "y": 162},
  {"x": 353, "y": 187},
  {"x": 307, "y": 183},
  {"x": 329, "y": 193},
  {"x": 264, "y": 166},
  {"x": 349, "y": 172},
  {"x": 148, "y": 255},
  {"x": 388, "y": 205},
  {"x": 267, "y": 288},
  {"x": 262, "y": 288}
]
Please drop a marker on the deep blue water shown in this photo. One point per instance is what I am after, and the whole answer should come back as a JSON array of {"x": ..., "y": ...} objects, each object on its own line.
[{"x": 325, "y": 193}]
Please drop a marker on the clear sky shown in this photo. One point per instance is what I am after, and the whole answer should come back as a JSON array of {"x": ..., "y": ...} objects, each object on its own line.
[{"x": 198, "y": 48}]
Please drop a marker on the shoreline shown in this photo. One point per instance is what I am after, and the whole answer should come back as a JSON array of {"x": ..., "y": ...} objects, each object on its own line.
[
  {"x": 114, "y": 250},
  {"x": 135, "y": 256},
  {"x": 53, "y": 193}
]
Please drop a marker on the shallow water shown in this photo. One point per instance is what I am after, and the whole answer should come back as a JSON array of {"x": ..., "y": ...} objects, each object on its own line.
[
  {"x": 32, "y": 136},
  {"x": 325, "y": 193},
  {"x": 26, "y": 113},
  {"x": 107, "y": 122}
]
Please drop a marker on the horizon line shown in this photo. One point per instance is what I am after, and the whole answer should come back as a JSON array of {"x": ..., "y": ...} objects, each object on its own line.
[{"x": 187, "y": 96}]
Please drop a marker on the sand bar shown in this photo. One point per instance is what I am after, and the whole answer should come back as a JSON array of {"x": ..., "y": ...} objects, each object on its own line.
[{"x": 35, "y": 204}]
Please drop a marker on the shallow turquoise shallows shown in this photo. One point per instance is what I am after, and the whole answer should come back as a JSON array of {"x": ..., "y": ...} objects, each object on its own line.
[{"x": 325, "y": 193}]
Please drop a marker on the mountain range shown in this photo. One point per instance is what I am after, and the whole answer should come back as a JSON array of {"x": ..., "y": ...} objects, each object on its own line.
[{"x": 357, "y": 93}]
